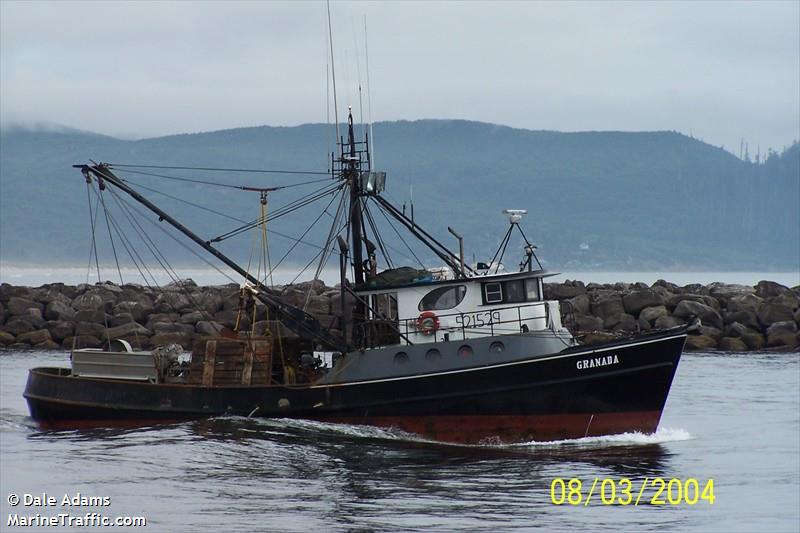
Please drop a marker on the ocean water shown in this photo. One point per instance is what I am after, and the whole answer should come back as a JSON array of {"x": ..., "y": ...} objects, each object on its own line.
[{"x": 733, "y": 419}]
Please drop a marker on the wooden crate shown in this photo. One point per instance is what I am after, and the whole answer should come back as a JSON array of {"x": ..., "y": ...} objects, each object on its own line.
[{"x": 220, "y": 361}]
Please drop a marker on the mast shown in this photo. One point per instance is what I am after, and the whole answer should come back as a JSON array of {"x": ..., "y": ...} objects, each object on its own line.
[
  {"x": 294, "y": 318},
  {"x": 353, "y": 176}
]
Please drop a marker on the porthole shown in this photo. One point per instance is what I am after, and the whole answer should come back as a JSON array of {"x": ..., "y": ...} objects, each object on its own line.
[
  {"x": 465, "y": 351},
  {"x": 401, "y": 358},
  {"x": 432, "y": 354},
  {"x": 497, "y": 347}
]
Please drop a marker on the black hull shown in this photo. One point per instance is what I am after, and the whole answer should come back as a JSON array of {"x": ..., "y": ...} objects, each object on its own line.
[{"x": 582, "y": 391}]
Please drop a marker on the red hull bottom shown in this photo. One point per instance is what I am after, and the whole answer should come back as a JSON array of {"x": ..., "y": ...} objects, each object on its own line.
[
  {"x": 459, "y": 429},
  {"x": 496, "y": 429}
]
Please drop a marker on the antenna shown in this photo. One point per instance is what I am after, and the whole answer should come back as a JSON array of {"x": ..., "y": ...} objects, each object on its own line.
[
  {"x": 358, "y": 72},
  {"x": 333, "y": 72},
  {"x": 369, "y": 99}
]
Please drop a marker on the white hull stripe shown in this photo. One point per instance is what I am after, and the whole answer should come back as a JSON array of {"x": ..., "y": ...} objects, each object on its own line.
[{"x": 499, "y": 365}]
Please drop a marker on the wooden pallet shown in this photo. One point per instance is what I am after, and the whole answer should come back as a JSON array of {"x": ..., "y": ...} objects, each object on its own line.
[{"x": 220, "y": 361}]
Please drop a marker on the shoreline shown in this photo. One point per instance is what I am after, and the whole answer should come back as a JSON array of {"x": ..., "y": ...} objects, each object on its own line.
[{"x": 734, "y": 317}]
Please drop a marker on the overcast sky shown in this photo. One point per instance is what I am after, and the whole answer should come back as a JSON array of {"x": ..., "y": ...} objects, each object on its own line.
[{"x": 720, "y": 71}]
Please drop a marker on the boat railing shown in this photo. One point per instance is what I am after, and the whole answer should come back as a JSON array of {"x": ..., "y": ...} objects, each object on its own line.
[{"x": 451, "y": 326}]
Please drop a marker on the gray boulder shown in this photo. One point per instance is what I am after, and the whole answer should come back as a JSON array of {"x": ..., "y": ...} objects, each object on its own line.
[
  {"x": 174, "y": 301},
  {"x": 671, "y": 287},
  {"x": 120, "y": 319},
  {"x": 607, "y": 306},
  {"x": 60, "y": 330},
  {"x": 748, "y": 318},
  {"x": 34, "y": 316},
  {"x": 92, "y": 315},
  {"x": 789, "y": 299},
  {"x": 561, "y": 291},
  {"x": 88, "y": 301},
  {"x": 34, "y": 337},
  {"x": 710, "y": 301},
  {"x": 726, "y": 291},
  {"x": 82, "y": 341},
  {"x": 6, "y": 338},
  {"x": 753, "y": 339},
  {"x": 708, "y": 331},
  {"x": 17, "y": 325},
  {"x": 700, "y": 342},
  {"x": 59, "y": 310},
  {"x": 625, "y": 322},
  {"x": 580, "y": 304},
  {"x": 163, "y": 328},
  {"x": 769, "y": 289},
  {"x": 745, "y": 302},
  {"x": 208, "y": 300},
  {"x": 778, "y": 338},
  {"x": 732, "y": 344},
  {"x": 125, "y": 330},
  {"x": 19, "y": 306},
  {"x": 708, "y": 315},
  {"x": 209, "y": 328},
  {"x": 667, "y": 322},
  {"x": 92, "y": 329},
  {"x": 651, "y": 314},
  {"x": 588, "y": 323},
  {"x": 769, "y": 313},
  {"x": 643, "y": 324},
  {"x": 638, "y": 300},
  {"x": 138, "y": 309},
  {"x": 193, "y": 317}
]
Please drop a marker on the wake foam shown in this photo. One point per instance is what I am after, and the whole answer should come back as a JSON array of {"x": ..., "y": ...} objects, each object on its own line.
[{"x": 662, "y": 435}]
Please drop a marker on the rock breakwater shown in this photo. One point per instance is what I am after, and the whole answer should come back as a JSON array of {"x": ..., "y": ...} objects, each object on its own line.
[{"x": 58, "y": 316}]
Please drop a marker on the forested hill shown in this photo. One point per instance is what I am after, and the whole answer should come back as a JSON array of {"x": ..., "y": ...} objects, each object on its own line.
[{"x": 607, "y": 200}]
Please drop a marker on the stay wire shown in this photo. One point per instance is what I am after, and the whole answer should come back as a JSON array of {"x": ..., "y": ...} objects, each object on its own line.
[
  {"x": 219, "y": 213},
  {"x": 92, "y": 223},
  {"x": 216, "y": 169},
  {"x": 382, "y": 212},
  {"x": 324, "y": 211},
  {"x": 294, "y": 206},
  {"x": 179, "y": 242},
  {"x": 326, "y": 249},
  {"x": 131, "y": 249},
  {"x": 111, "y": 238}
]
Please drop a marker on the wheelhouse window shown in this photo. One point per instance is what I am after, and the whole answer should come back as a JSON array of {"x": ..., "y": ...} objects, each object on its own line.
[
  {"x": 512, "y": 291},
  {"x": 515, "y": 291},
  {"x": 385, "y": 306},
  {"x": 493, "y": 293},
  {"x": 532, "y": 290},
  {"x": 443, "y": 298}
]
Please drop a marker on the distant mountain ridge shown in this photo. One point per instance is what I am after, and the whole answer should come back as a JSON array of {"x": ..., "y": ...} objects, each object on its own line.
[{"x": 604, "y": 200}]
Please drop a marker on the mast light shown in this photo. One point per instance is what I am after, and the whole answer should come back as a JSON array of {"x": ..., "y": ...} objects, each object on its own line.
[{"x": 515, "y": 215}]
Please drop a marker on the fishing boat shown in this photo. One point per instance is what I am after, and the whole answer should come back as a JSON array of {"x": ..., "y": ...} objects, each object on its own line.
[{"x": 466, "y": 353}]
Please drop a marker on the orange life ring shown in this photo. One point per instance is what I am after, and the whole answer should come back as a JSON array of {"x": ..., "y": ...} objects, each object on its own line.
[{"x": 428, "y": 323}]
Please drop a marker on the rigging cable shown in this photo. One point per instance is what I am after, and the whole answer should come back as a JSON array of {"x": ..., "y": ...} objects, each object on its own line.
[
  {"x": 327, "y": 247},
  {"x": 212, "y": 183},
  {"x": 128, "y": 245},
  {"x": 110, "y": 237},
  {"x": 92, "y": 223},
  {"x": 323, "y": 212},
  {"x": 218, "y": 213},
  {"x": 289, "y": 208},
  {"x": 213, "y": 169},
  {"x": 401, "y": 240}
]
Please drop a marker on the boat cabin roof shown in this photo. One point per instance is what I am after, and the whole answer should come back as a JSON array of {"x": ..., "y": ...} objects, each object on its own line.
[{"x": 371, "y": 286}]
